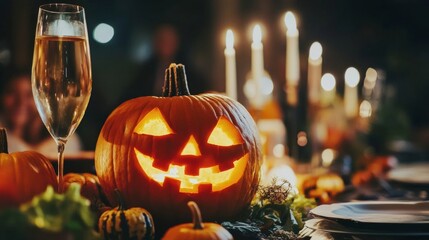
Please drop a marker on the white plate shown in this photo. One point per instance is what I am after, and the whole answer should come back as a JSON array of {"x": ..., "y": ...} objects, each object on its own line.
[
  {"x": 334, "y": 227},
  {"x": 416, "y": 173},
  {"x": 377, "y": 212}
]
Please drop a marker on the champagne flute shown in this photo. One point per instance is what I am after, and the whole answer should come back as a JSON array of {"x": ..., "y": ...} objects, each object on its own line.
[{"x": 61, "y": 72}]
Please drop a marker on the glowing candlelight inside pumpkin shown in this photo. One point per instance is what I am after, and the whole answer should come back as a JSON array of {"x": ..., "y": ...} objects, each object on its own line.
[
  {"x": 292, "y": 58},
  {"x": 350, "y": 92},
  {"x": 314, "y": 72},
  {"x": 328, "y": 83},
  {"x": 257, "y": 66},
  {"x": 230, "y": 68},
  {"x": 189, "y": 183}
]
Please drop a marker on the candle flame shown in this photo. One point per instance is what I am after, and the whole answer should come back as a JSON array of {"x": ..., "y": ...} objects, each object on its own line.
[
  {"x": 290, "y": 21},
  {"x": 229, "y": 39},
  {"x": 328, "y": 156},
  {"x": 365, "y": 109},
  {"x": 315, "y": 51},
  {"x": 352, "y": 77},
  {"x": 279, "y": 150},
  {"x": 370, "y": 79},
  {"x": 302, "y": 139},
  {"x": 328, "y": 82},
  {"x": 257, "y": 34}
]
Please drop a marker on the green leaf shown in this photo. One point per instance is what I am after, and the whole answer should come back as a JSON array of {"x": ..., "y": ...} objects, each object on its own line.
[
  {"x": 291, "y": 224},
  {"x": 242, "y": 230},
  {"x": 67, "y": 212}
]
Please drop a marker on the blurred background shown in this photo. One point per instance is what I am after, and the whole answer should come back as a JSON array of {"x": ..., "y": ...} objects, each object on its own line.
[{"x": 388, "y": 35}]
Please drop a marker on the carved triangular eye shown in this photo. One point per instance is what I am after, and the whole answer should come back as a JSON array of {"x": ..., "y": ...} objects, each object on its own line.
[
  {"x": 225, "y": 134},
  {"x": 153, "y": 124},
  {"x": 191, "y": 148}
]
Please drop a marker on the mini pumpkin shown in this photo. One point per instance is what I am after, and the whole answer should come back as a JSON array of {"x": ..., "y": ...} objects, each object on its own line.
[
  {"x": 23, "y": 174},
  {"x": 162, "y": 152},
  {"x": 89, "y": 183},
  {"x": 90, "y": 189},
  {"x": 197, "y": 229},
  {"x": 120, "y": 223}
]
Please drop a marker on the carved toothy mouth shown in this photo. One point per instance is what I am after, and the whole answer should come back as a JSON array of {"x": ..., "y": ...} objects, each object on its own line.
[{"x": 218, "y": 180}]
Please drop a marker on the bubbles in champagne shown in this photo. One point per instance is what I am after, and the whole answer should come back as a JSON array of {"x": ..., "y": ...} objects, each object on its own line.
[{"x": 61, "y": 83}]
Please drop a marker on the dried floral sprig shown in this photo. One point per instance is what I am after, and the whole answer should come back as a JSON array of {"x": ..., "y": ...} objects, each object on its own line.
[
  {"x": 277, "y": 192},
  {"x": 277, "y": 212}
]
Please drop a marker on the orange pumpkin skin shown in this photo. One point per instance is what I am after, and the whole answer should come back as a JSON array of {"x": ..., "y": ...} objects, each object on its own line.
[
  {"x": 24, "y": 175},
  {"x": 90, "y": 189},
  {"x": 197, "y": 229},
  {"x": 89, "y": 184},
  {"x": 118, "y": 166}
]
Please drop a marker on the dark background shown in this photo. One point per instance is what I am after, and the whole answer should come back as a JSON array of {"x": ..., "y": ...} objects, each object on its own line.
[{"x": 389, "y": 35}]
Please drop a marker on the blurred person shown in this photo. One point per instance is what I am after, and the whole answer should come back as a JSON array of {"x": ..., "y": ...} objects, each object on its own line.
[
  {"x": 19, "y": 115},
  {"x": 166, "y": 50}
]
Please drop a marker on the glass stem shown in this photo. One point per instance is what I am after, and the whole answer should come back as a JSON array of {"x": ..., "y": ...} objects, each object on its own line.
[{"x": 61, "y": 146}]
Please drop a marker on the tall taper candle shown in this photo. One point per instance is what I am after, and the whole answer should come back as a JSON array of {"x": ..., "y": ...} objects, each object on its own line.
[
  {"x": 257, "y": 66},
  {"x": 230, "y": 68},
  {"x": 292, "y": 59},
  {"x": 351, "y": 104},
  {"x": 314, "y": 73},
  {"x": 328, "y": 83}
]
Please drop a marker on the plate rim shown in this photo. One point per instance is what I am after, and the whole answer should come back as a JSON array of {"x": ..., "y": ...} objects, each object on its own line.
[
  {"x": 366, "y": 232},
  {"x": 404, "y": 167},
  {"x": 335, "y": 217}
]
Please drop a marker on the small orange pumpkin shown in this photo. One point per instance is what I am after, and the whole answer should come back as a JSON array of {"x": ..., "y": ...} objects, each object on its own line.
[
  {"x": 22, "y": 174},
  {"x": 90, "y": 189},
  {"x": 197, "y": 230},
  {"x": 89, "y": 183}
]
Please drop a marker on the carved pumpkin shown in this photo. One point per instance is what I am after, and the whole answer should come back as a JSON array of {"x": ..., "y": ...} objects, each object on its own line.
[
  {"x": 162, "y": 152},
  {"x": 22, "y": 175}
]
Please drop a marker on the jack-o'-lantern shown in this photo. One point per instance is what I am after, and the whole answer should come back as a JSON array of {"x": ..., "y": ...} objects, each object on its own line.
[{"x": 162, "y": 152}]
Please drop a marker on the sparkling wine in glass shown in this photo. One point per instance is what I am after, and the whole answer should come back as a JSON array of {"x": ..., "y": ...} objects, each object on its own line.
[{"x": 61, "y": 72}]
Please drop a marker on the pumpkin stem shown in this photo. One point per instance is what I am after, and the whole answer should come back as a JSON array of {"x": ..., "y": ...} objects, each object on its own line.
[
  {"x": 175, "y": 83},
  {"x": 196, "y": 215},
  {"x": 3, "y": 141},
  {"x": 121, "y": 206}
]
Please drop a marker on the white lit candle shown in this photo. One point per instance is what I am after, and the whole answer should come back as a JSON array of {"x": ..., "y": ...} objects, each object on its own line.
[
  {"x": 365, "y": 112},
  {"x": 365, "y": 109},
  {"x": 369, "y": 82},
  {"x": 257, "y": 66},
  {"x": 292, "y": 58},
  {"x": 314, "y": 72},
  {"x": 230, "y": 68},
  {"x": 328, "y": 83},
  {"x": 350, "y": 92}
]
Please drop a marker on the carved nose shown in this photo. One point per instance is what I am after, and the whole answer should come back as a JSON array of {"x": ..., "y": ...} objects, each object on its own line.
[{"x": 191, "y": 148}]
